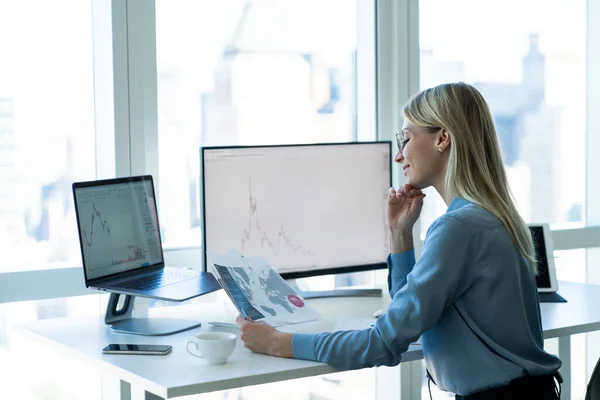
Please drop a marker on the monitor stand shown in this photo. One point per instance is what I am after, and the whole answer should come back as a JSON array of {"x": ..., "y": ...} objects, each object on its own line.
[
  {"x": 121, "y": 320},
  {"x": 350, "y": 292}
]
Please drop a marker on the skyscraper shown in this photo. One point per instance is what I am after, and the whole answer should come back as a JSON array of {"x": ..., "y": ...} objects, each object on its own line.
[{"x": 11, "y": 223}]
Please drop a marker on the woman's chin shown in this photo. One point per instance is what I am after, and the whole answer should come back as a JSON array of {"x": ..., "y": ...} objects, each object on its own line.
[{"x": 415, "y": 183}]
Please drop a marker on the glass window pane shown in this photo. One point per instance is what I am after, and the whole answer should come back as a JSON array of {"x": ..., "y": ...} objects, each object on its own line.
[
  {"x": 32, "y": 370},
  {"x": 243, "y": 73},
  {"x": 571, "y": 266},
  {"x": 46, "y": 128},
  {"x": 532, "y": 73}
]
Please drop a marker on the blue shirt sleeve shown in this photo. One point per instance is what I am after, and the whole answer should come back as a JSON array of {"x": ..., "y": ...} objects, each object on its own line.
[
  {"x": 436, "y": 280},
  {"x": 399, "y": 266}
]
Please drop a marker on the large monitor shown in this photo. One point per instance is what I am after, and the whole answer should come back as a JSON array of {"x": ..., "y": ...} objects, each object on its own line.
[{"x": 310, "y": 210}]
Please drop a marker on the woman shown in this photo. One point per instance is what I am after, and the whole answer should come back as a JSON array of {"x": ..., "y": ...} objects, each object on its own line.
[{"x": 471, "y": 296}]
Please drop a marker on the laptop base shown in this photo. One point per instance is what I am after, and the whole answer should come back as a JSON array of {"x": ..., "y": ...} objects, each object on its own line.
[{"x": 121, "y": 320}]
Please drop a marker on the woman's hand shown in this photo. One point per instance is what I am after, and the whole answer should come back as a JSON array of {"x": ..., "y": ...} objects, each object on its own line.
[
  {"x": 261, "y": 337},
  {"x": 403, "y": 210}
]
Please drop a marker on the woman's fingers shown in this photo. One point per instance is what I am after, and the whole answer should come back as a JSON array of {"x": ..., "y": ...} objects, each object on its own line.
[
  {"x": 405, "y": 191},
  {"x": 397, "y": 193},
  {"x": 411, "y": 191},
  {"x": 417, "y": 192}
]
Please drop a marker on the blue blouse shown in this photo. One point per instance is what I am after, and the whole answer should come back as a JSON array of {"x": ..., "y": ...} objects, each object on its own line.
[{"x": 472, "y": 299}]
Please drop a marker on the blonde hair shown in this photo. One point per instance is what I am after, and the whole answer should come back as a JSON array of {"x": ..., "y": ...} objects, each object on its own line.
[{"x": 475, "y": 169}]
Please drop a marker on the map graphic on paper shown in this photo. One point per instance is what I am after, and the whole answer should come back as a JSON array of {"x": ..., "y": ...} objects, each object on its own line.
[
  {"x": 270, "y": 291},
  {"x": 258, "y": 291}
]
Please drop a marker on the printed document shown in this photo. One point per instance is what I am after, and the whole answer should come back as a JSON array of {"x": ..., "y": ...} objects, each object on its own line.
[{"x": 259, "y": 292}]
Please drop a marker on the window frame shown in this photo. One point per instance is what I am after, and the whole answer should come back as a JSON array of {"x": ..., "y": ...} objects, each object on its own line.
[
  {"x": 126, "y": 116},
  {"x": 592, "y": 208}
]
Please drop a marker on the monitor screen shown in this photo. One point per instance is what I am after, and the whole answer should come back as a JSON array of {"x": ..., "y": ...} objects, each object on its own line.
[
  {"x": 308, "y": 209},
  {"x": 118, "y": 226},
  {"x": 539, "y": 244}
]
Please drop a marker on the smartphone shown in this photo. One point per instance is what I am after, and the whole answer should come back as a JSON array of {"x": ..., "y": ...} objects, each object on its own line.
[{"x": 148, "y": 349}]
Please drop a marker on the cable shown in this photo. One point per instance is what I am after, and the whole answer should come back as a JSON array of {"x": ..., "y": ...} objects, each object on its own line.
[{"x": 429, "y": 387}]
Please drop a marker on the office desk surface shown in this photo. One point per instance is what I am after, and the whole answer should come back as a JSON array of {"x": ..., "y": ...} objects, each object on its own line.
[
  {"x": 580, "y": 314},
  {"x": 179, "y": 373}
]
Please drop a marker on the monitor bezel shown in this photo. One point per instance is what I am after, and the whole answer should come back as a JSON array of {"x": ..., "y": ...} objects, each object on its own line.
[
  {"x": 106, "y": 182},
  {"x": 296, "y": 274},
  {"x": 549, "y": 257}
]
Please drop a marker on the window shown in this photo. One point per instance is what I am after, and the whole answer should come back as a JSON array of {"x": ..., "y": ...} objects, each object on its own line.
[
  {"x": 30, "y": 370},
  {"x": 532, "y": 73},
  {"x": 243, "y": 73},
  {"x": 571, "y": 266},
  {"x": 46, "y": 128}
]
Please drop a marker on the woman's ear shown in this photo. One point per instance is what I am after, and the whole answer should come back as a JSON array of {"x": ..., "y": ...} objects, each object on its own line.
[{"x": 443, "y": 140}]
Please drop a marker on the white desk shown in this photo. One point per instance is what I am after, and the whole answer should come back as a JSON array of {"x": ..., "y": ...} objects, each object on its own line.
[
  {"x": 180, "y": 374},
  {"x": 580, "y": 314}
]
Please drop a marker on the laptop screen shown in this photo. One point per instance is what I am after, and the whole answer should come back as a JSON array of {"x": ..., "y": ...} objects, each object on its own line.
[
  {"x": 118, "y": 225},
  {"x": 543, "y": 277}
]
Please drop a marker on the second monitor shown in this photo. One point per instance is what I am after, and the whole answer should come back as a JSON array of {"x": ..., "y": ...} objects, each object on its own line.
[{"x": 310, "y": 209}]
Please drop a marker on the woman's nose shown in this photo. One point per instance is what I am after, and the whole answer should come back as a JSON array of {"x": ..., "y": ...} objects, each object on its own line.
[{"x": 399, "y": 157}]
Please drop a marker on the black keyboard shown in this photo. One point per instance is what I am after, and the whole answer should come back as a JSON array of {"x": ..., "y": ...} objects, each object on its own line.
[{"x": 159, "y": 279}]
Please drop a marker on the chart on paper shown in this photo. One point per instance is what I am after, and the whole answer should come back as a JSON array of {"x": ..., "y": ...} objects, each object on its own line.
[{"x": 259, "y": 292}]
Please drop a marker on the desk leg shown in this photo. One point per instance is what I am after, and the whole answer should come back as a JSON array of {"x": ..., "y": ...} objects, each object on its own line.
[
  {"x": 411, "y": 380},
  {"x": 141, "y": 394},
  {"x": 564, "y": 353},
  {"x": 114, "y": 388},
  {"x": 400, "y": 383}
]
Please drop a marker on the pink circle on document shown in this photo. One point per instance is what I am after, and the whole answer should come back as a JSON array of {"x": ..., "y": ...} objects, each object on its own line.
[{"x": 295, "y": 300}]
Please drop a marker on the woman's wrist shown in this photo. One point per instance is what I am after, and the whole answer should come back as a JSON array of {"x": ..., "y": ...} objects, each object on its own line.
[
  {"x": 402, "y": 240},
  {"x": 282, "y": 345}
]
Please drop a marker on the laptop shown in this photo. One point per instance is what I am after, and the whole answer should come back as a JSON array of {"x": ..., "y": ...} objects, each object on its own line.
[
  {"x": 547, "y": 283},
  {"x": 121, "y": 249}
]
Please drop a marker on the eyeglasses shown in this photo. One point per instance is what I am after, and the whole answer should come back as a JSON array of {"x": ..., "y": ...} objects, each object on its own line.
[{"x": 400, "y": 141}]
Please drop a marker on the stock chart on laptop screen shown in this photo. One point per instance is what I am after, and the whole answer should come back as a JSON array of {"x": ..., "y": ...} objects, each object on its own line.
[{"x": 118, "y": 227}]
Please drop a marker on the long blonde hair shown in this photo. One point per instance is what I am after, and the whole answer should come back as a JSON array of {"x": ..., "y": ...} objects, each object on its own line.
[{"x": 475, "y": 169}]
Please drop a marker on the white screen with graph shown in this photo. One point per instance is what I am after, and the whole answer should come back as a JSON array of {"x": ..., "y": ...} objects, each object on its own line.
[
  {"x": 118, "y": 227},
  {"x": 304, "y": 208}
]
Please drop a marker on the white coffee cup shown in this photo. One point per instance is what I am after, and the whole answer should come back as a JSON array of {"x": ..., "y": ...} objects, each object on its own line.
[{"x": 214, "y": 347}]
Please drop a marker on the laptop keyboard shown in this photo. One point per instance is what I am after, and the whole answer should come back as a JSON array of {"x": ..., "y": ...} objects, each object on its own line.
[{"x": 159, "y": 279}]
